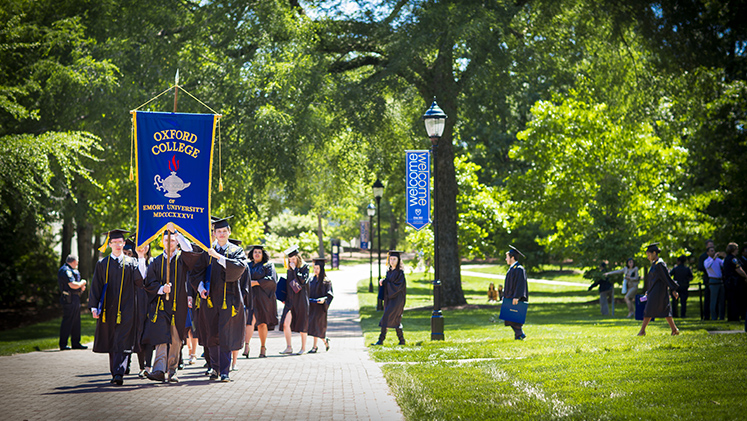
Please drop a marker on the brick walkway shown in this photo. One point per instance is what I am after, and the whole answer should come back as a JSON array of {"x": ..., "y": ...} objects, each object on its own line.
[{"x": 342, "y": 384}]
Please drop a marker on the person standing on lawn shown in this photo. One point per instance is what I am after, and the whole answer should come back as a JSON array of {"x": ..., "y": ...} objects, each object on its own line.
[
  {"x": 71, "y": 286},
  {"x": 394, "y": 288},
  {"x": 704, "y": 275},
  {"x": 606, "y": 291},
  {"x": 660, "y": 286},
  {"x": 516, "y": 288},
  {"x": 714, "y": 265},
  {"x": 630, "y": 284},
  {"x": 682, "y": 275}
]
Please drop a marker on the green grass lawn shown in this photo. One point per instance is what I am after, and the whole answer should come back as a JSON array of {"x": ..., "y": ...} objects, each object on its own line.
[
  {"x": 574, "y": 364},
  {"x": 40, "y": 336}
]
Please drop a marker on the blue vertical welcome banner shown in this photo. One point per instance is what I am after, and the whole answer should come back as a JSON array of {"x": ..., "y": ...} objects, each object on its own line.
[
  {"x": 418, "y": 188},
  {"x": 365, "y": 235},
  {"x": 174, "y": 161}
]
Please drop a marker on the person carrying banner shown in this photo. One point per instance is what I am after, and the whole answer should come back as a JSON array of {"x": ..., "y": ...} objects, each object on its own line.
[
  {"x": 222, "y": 314},
  {"x": 320, "y": 296},
  {"x": 296, "y": 311},
  {"x": 660, "y": 284},
  {"x": 168, "y": 304},
  {"x": 394, "y": 287},
  {"x": 264, "y": 281},
  {"x": 516, "y": 288},
  {"x": 115, "y": 279}
]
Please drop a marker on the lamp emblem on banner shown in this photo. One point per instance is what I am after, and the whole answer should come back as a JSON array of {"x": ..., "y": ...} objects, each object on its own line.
[{"x": 418, "y": 188}]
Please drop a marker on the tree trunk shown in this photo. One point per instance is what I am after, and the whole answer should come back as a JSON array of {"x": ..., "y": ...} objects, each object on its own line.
[
  {"x": 66, "y": 235},
  {"x": 86, "y": 251},
  {"x": 320, "y": 234}
]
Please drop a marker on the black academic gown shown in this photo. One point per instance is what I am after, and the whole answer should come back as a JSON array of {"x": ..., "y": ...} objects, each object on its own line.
[
  {"x": 222, "y": 322},
  {"x": 162, "y": 312},
  {"x": 297, "y": 303},
  {"x": 395, "y": 295},
  {"x": 265, "y": 304},
  {"x": 246, "y": 294},
  {"x": 318, "y": 312},
  {"x": 115, "y": 328},
  {"x": 659, "y": 285},
  {"x": 516, "y": 283}
]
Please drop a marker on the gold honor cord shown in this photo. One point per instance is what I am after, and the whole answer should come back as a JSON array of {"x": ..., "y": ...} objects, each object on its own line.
[
  {"x": 119, "y": 303},
  {"x": 106, "y": 281},
  {"x": 209, "y": 300}
]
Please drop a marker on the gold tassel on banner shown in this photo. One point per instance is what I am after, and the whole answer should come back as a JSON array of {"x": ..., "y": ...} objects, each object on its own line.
[
  {"x": 220, "y": 184},
  {"x": 132, "y": 145},
  {"x": 220, "y": 160}
]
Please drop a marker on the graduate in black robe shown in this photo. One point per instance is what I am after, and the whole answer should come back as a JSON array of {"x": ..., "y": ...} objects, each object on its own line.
[
  {"x": 660, "y": 285},
  {"x": 221, "y": 308},
  {"x": 168, "y": 305},
  {"x": 516, "y": 288},
  {"x": 320, "y": 297},
  {"x": 264, "y": 281},
  {"x": 144, "y": 351},
  {"x": 115, "y": 280},
  {"x": 394, "y": 287},
  {"x": 296, "y": 311}
]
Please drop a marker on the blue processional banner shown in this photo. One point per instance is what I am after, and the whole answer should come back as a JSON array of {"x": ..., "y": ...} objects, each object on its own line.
[
  {"x": 418, "y": 188},
  {"x": 174, "y": 165}
]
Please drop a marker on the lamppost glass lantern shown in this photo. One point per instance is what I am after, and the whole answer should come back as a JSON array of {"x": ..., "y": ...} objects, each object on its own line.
[
  {"x": 378, "y": 189},
  {"x": 371, "y": 209},
  {"x": 435, "y": 120}
]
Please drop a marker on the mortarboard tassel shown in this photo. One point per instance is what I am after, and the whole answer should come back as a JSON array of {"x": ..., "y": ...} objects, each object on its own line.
[{"x": 220, "y": 184}]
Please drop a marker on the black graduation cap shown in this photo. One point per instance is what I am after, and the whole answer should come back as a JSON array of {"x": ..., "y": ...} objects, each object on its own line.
[
  {"x": 513, "y": 251},
  {"x": 256, "y": 246},
  {"x": 113, "y": 235},
  {"x": 235, "y": 241},
  {"x": 319, "y": 261},
  {"x": 653, "y": 247},
  {"x": 291, "y": 251},
  {"x": 395, "y": 253},
  {"x": 221, "y": 222},
  {"x": 129, "y": 245}
]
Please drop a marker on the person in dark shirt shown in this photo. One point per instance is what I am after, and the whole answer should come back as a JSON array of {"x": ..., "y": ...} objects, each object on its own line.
[
  {"x": 71, "y": 286},
  {"x": 706, "y": 313},
  {"x": 734, "y": 279},
  {"x": 606, "y": 291},
  {"x": 683, "y": 275}
]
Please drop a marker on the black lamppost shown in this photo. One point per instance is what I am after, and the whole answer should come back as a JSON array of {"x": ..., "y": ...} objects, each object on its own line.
[
  {"x": 378, "y": 191},
  {"x": 371, "y": 210},
  {"x": 435, "y": 121}
]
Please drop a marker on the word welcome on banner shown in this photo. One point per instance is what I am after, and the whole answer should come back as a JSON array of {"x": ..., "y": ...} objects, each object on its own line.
[
  {"x": 365, "y": 235},
  {"x": 418, "y": 188},
  {"x": 174, "y": 161}
]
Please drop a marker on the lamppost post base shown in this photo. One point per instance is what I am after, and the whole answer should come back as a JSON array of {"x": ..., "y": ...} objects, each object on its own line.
[{"x": 437, "y": 326}]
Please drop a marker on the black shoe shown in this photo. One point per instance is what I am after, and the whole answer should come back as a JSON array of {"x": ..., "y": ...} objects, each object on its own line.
[
  {"x": 80, "y": 347},
  {"x": 64, "y": 348},
  {"x": 313, "y": 350},
  {"x": 326, "y": 344},
  {"x": 214, "y": 375},
  {"x": 118, "y": 380},
  {"x": 181, "y": 366},
  {"x": 402, "y": 342},
  {"x": 157, "y": 376},
  {"x": 224, "y": 378},
  {"x": 377, "y": 343}
]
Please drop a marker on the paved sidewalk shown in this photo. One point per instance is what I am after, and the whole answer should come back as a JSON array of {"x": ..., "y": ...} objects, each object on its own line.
[{"x": 342, "y": 384}]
